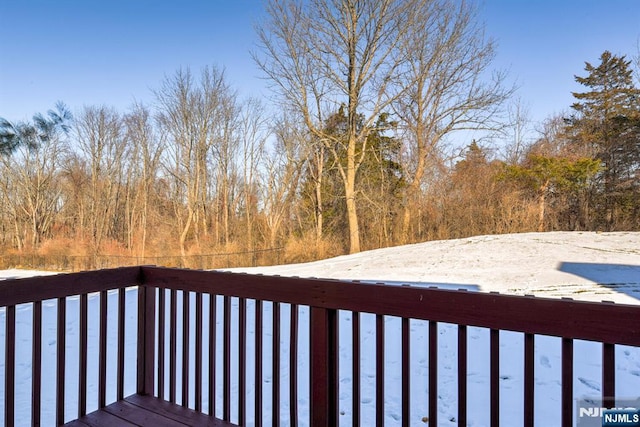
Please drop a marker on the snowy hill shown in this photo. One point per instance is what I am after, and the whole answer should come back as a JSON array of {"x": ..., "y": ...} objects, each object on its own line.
[{"x": 582, "y": 265}]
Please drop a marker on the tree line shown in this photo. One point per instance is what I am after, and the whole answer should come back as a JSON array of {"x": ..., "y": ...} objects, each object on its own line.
[{"x": 361, "y": 149}]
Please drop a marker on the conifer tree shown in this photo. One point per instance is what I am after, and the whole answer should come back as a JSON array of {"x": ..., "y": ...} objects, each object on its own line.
[{"x": 607, "y": 122}]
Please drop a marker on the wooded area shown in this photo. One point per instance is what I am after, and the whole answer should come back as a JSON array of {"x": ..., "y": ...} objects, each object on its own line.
[{"x": 367, "y": 145}]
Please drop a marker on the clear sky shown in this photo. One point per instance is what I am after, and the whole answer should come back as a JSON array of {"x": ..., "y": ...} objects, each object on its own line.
[{"x": 113, "y": 52}]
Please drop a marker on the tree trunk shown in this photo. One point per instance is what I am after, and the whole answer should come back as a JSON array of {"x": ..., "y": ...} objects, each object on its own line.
[
  {"x": 412, "y": 192},
  {"x": 183, "y": 237},
  {"x": 225, "y": 213},
  {"x": 350, "y": 196},
  {"x": 352, "y": 216},
  {"x": 319, "y": 218},
  {"x": 248, "y": 221},
  {"x": 318, "y": 189},
  {"x": 542, "y": 201}
]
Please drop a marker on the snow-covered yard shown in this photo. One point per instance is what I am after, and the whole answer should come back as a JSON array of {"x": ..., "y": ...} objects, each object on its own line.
[
  {"x": 585, "y": 266},
  {"x": 581, "y": 265}
]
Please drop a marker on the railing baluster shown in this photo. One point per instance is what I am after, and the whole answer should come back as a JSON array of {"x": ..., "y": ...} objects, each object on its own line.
[
  {"x": 293, "y": 366},
  {"x": 258, "y": 356},
  {"x": 608, "y": 371},
  {"x": 161, "y": 340},
  {"x": 102, "y": 352},
  {"x": 406, "y": 366},
  {"x": 529, "y": 349},
  {"x": 379, "y": 370},
  {"x": 36, "y": 363},
  {"x": 275, "y": 369},
  {"x": 61, "y": 359},
  {"x": 324, "y": 366},
  {"x": 433, "y": 373},
  {"x": 242, "y": 360},
  {"x": 462, "y": 375},
  {"x": 9, "y": 366},
  {"x": 82, "y": 357},
  {"x": 355, "y": 362},
  {"x": 185, "y": 348},
  {"x": 567, "y": 382},
  {"x": 608, "y": 375},
  {"x": 198, "y": 356},
  {"x": 173, "y": 296},
  {"x": 334, "y": 364},
  {"x": 212, "y": 355},
  {"x": 494, "y": 376},
  {"x": 226, "y": 360},
  {"x": 121, "y": 332}
]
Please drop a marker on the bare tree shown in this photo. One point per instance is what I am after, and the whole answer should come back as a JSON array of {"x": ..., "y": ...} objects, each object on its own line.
[
  {"x": 283, "y": 168},
  {"x": 5, "y": 208},
  {"x": 322, "y": 54},
  {"x": 316, "y": 172},
  {"x": 197, "y": 117},
  {"x": 252, "y": 133},
  {"x": 101, "y": 138},
  {"x": 143, "y": 163},
  {"x": 518, "y": 128},
  {"x": 446, "y": 84},
  {"x": 225, "y": 152},
  {"x": 30, "y": 167}
]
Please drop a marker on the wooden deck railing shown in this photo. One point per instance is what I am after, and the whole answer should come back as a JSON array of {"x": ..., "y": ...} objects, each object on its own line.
[
  {"x": 61, "y": 290},
  {"x": 237, "y": 346}
]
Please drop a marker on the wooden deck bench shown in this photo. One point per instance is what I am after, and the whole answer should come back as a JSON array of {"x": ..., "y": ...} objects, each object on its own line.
[{"x": 138, "y": 410}]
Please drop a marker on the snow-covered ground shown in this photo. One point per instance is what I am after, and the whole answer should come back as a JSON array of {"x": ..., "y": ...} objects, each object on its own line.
[{"x": 580, "y": 265}]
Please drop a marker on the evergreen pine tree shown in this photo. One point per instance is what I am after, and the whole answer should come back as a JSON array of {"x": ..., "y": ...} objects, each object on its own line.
[{"x": 607, "y": 121}]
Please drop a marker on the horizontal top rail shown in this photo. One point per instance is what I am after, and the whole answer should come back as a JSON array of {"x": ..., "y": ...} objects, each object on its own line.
[
  {"x": 40, "y": 288},
  {"x": 607, "y": 323},
  {"x": 603, "y": 322}
]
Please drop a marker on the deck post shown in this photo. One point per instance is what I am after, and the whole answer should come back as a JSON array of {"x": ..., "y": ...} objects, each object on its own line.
[
  {"x": 324, "y": 367},
  {"x": 146, "y": 339}
]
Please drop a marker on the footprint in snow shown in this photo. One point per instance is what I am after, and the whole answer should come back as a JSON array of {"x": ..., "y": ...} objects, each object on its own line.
[
  {"x": 544, "y": 361},
  {"x": 591, "y": 384},
  {"x": 636, "y": 373}
]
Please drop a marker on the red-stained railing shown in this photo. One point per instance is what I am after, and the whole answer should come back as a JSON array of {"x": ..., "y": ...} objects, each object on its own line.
[
  {"x": 62, "y": 289},
  {"x": 203, "y": 343}
]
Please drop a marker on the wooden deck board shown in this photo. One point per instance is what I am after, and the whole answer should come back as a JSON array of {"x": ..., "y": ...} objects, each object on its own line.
[
  {"x": 138, "y": 410},
  {"x": 175, "y": 412},
  {"x": 98, "y": 419}
]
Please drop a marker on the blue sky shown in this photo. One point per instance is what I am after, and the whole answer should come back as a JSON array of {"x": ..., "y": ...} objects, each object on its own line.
[{"x": 96, "y": 52}]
